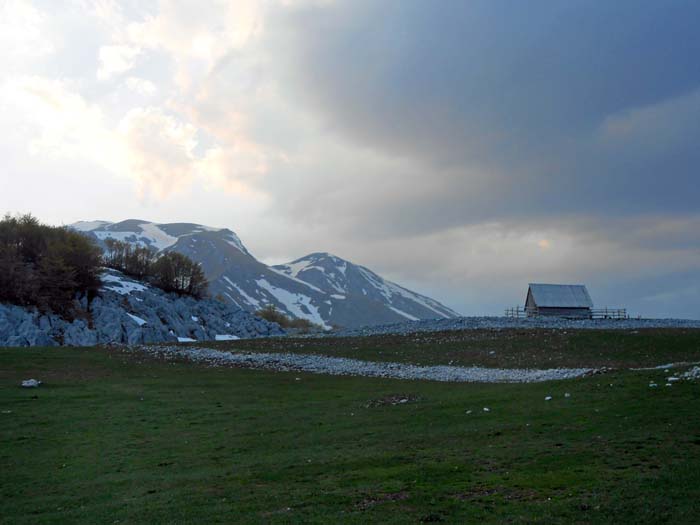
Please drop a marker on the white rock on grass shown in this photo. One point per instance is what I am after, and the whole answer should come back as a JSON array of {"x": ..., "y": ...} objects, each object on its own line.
[
  {"x": 567, "y": 395},
  {"x": 548, "y": 398},
  {"x": 693, "y": 373},
  {"x": 487, "y": 409},
  {"x": 30, "y": 383}
]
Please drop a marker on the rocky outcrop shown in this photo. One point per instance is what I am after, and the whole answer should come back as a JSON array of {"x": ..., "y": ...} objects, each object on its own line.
[{"x": 127, "y": 311}]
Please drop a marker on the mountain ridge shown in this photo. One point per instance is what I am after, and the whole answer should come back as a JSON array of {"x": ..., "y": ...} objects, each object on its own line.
[{"x": 320, "y": 287}]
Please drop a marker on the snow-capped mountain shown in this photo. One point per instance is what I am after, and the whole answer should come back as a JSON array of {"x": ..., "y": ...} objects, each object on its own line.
[
  {"x": 320, "y": 287},
  {"x": 359, "y": 294},
  {"x": 159, "y": 236}
]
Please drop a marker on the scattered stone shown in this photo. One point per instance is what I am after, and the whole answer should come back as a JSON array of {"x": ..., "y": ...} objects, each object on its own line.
[
  {"x": 30, "y": 383},
  {"x": 320, "y": 364},
  {"x": 567, "y": 395},
  {"x": 487, "y": 409},
  {"x": 693, "y": 373},
  {"x": 393, "y": 399},
  {"x": 669, "y": 384},
  {"x": 548, "y": 398},
  {"x": 491, "y": 323}
]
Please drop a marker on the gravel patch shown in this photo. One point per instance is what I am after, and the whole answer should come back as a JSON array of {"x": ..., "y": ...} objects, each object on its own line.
[
  {"x": 499, "y": 323},
  {"x": 317, "y": 364}
]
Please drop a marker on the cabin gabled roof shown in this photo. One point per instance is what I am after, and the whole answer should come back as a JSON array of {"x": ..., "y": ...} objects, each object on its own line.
[{"x": 560, "y": 295}]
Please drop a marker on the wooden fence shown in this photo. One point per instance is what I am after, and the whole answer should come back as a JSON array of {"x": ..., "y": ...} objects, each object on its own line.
[
  {"x": 518, "y": 312},
  {"x": 609, "y": 313}
]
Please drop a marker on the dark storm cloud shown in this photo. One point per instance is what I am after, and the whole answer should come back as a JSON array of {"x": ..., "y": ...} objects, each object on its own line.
[
  {"x": 460, "y": 147},
  {"x": 508, "y": 109}
]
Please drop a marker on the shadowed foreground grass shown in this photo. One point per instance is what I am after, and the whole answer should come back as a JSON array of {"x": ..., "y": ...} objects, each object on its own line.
[{"x": 111, "y": 438}]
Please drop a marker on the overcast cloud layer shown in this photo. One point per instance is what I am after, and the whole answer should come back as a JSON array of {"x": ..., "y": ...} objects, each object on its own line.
[{"x": 460, "y": 148}]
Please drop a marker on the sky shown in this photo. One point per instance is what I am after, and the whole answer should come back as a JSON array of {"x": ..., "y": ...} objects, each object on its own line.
[{"x": 460, "y": 148}]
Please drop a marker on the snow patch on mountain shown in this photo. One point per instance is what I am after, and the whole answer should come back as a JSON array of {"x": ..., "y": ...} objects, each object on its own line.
[
  {"x": 121, "y": 284},
  {"x": 235, "y": 241},
  {"x": 149, "y": 235},
  {"x": 250, "y": 300},
  {"x": 295, "y": 279},
  {"x": 292, "y": 269},
  {"x": 334, "y": 275},
  {"x": 157, "y": 237},
  {"x": 297, "y": 304},
  {"x": 86, "y": 226},
  {"x": 404, "y": 314}
]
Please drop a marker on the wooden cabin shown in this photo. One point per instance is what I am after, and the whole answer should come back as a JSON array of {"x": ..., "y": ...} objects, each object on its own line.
[{"x": 558, "y": 300}]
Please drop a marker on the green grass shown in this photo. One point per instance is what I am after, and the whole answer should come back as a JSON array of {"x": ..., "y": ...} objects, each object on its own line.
[
  {"x": 112, "y": 438},
  {"x": 499, "y": 348}
]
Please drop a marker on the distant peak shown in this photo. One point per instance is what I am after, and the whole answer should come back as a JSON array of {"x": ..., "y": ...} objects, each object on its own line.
[
  {"x": 321, "y": 255},
  {"x": 157, "y": 235},
  {"x": 87, "y": 226}
]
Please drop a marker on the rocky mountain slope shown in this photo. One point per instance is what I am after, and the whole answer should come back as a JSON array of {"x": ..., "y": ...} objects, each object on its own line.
[
  {"x": 320, "y": 287},
  {"x": 128, "y": 311},
  {"x": 358, "y": 296}
]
